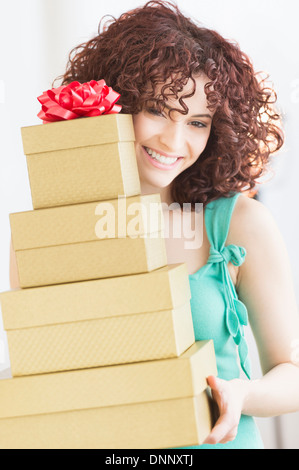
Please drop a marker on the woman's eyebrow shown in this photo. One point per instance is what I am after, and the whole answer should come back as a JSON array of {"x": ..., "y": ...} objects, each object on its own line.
[
  {"x": 202, "y": 115},
  {"x": 194, "y": 116}
]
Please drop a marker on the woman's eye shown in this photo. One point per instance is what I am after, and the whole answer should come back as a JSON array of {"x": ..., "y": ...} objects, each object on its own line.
[
  {"x": 154, "y": 111},
  {"x": 198, "y": 124}
]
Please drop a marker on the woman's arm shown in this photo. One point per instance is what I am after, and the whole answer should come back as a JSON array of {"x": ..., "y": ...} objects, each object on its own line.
[
  {"x": 13, "y": 270},
  {"x": 265, "y": 285}
]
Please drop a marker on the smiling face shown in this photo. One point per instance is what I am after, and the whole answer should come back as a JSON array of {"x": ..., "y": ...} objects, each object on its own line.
[{"x": 167, "y": 145}]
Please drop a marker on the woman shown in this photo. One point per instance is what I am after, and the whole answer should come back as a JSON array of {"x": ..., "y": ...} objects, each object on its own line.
[{"x": 205, "y": 130}]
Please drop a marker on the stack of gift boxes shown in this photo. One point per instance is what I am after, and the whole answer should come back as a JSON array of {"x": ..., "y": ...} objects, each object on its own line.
[{"x": 100, "y": 332}]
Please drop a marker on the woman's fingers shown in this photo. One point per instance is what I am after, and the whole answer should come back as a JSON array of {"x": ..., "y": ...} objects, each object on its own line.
[{"x": 226, "y": 426}]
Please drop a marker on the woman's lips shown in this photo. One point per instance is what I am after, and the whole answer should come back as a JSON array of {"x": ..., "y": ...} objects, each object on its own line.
[{"x": 160, "y": 165}]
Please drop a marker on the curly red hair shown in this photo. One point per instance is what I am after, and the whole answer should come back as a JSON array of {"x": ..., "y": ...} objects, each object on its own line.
[{"x": 156, "y": 44}]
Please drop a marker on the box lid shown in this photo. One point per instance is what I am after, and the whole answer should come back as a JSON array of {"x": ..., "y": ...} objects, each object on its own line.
[
  {"x": 82, "y": 132},
  {"x": 165, "y": 379},
  {"x": 117, "y": 218},
  {"x": 162, "y": 289}
]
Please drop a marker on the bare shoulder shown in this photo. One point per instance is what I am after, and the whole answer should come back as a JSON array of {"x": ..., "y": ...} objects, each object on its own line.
[
  {"x": 254, "y": 228},
  {"x": 253, "y": 224}
]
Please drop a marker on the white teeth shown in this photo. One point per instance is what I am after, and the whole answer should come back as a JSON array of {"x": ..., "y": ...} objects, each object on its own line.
[{"x": 160, "y": 158}]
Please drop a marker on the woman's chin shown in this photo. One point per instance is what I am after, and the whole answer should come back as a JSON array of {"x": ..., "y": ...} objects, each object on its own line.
[{"x": 153, "y": 185}]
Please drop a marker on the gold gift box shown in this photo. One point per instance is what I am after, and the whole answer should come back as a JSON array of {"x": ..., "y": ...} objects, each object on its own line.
[
  {"x": 70, "y": 243},
  {"x": 76, "y": 325},
  {"x": 163, "y": 289},
  {"x": 81, "y": 160},
  {"x": 92, "y": 343},
  {"x": 155, "y": 404}
]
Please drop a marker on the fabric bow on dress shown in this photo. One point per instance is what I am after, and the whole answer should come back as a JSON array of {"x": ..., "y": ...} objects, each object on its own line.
[{"x": 236, "y": 315}]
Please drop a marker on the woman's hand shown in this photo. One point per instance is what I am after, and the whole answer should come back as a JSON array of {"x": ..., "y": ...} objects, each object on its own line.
[{"x": 229, "y": 397}]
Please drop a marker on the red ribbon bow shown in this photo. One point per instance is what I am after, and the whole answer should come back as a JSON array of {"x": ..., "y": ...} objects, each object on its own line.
[{"x": 77, "y": 100}]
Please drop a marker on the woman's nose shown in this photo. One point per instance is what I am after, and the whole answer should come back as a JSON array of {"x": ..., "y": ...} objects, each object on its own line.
[{"x": 172, "y": 138}]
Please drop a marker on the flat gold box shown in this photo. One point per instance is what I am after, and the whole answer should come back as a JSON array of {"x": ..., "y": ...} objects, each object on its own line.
[
  {"x": 152, "y": 425},
  {"x": 162, "y": 289},
  {"x": 81, "y": 160},
  {"x": 155, "y": 404},
  {"x": 91, "y": 343},
  {"x": 76, "y": 325},
  {"x": 89, "y": 241}
]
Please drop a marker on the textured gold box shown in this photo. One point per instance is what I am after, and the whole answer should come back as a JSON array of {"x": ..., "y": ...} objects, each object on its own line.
[
  {"x": 81, "y": 160},
  {"x": 152, "y": 425},
  {"x": 68, "y": 244},
  {"x": 100, "y": 341},
  {"x": 154, "y": 404},
  {"x": 162, "y": 289},
  {"x": 77, "y": 325}
]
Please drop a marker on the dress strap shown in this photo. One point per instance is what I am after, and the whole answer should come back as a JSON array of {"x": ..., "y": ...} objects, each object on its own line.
[{"x": 217, "y": 221}]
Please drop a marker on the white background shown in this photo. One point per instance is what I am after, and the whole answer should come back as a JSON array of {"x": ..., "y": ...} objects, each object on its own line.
[{"x": 35, "y": 39}]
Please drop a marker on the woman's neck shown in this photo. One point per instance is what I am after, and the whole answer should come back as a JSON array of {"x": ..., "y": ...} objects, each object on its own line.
[{"x": 164, "y": 192}]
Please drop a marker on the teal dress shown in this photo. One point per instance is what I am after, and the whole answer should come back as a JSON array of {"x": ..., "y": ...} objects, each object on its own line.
[{"x": 218, "y": 314}]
